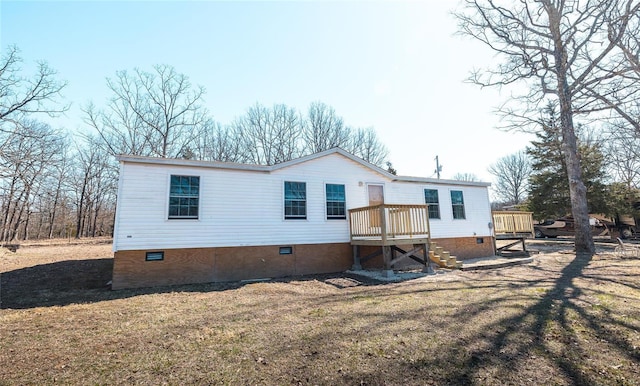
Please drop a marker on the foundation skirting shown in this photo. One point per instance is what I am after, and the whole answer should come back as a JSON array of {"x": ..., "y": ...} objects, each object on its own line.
[
  {"x": 131, "y": 269},
  {"x": 158, "y": 267}
]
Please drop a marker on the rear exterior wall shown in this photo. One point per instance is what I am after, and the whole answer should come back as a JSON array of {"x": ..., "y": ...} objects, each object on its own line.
[
  {"x": 246, "y": 208},
  {"x": 241, "y": 225}
]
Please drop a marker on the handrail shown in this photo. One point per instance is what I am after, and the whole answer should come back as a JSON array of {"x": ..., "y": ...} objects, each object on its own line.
[
  {"x": 512, "y": 222},
  {"x": 389, "y": 221}
]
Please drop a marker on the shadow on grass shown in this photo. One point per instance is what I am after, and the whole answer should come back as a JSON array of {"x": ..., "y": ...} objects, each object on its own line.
[
  {"x": 553, "y": 327},
  {"x": 527, "y": 327},
  {"x": 86, "y": 281}
]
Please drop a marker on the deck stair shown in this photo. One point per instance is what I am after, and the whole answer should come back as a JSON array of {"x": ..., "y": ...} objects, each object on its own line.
[{"x": 443, "y": 258}]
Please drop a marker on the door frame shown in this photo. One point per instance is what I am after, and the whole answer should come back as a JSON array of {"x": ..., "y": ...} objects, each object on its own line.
[
  {"x": 374, "y": 184},
  {"x": 374, "y": 219}
]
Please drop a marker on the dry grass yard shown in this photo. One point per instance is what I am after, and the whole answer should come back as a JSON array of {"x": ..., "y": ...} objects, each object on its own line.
[{"x": 561, "y": 320}]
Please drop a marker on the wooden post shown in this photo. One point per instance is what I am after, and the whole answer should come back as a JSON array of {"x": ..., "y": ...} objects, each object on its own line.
[
  {"x": 428, "y": 268},
  {"x": 356, "y": 259},
  {"x": 386, "y": 257},
  {"x": 383, "y": 225}
]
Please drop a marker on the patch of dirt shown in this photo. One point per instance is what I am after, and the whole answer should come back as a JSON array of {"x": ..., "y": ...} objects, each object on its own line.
[{"x": 345, "y": 282}]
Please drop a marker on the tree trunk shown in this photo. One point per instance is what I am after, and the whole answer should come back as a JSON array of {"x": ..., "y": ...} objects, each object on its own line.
[
  {"x": 577, "y": 190},
  {"x": 25, "y": 236},
  {"x": 6, "y": 216},
  {"x": 52, "y": 218},
  {"x": 79, "y": 216}
]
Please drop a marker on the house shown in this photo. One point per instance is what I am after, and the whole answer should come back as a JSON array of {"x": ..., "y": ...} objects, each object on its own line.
[{"x": 185, "y": 221}]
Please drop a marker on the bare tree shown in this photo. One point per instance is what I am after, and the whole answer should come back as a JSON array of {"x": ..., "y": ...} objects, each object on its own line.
[
  {"x": 512, "y": 174},
  {"x": 155, "y": 113},
  {"x": 469, "y": 177},
  {"x": 364, "y": 143},
  {"x": 622, "y": 93},
  {"x": 268, "y": 135},
  {"x": 324, "y": 129},
  {"x": 562, "y": 51},
  {"x": 20, "y": 95},
  {"x": 55, "y": 192},
  {"x": 26, "y": 160},
  {"x": 94, "y": 187},
  {"x": 216, "y": 143},
  {"x": 622, "y": 149}
]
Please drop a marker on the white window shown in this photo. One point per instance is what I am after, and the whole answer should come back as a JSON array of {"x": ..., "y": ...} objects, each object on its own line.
[
  {"x": 336, "y": 202},
  {"x": 295, "y": 200},
  {"x": 433, "y": 204},
  {"x": 184, "y": 197},
  {"x": 457, "y": 204}
]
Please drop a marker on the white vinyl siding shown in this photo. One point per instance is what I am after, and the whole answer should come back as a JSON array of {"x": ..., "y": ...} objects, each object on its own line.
[{"x": 244, "y": 207}]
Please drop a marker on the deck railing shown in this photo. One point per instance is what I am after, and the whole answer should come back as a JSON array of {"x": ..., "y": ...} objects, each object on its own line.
[
  {"x": 512, "y": 223},
  {"x": 389, "y": 221}
]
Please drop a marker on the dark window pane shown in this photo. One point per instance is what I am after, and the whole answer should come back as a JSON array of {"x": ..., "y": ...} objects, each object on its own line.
[
  {"x": 335, "y": 192},
  {"x": 431, "y": 196},
  {"x": 295, "y": 190},
  {"x": 456, "y": 197},
  {"x": 335, "y": 201},
  {"x": 432, "y": 201},
  {"x": 434, "y": 211},
  {"x": 336, "y": 210},
  {"x": 458, "y": 212},
  {"x": 457, "y": 204}
]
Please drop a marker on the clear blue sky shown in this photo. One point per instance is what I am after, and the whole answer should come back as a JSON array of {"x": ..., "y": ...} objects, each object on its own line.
[{"x": 395, "y": 66}]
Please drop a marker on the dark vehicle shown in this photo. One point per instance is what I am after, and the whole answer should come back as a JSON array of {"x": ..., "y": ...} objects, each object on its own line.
[
  {"x": 627, "y": 226},
  {"x": 566, "y": 227}
]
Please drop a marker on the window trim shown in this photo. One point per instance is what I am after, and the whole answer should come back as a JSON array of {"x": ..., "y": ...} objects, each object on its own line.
[
  {"x": 154, "y": 256},
  {"x": 453, "y": 206},
  {"x": 284, "y": 201},
  {"x": 429, "y": 205},
  {"x": 168, "y": 206},
  {"x": 326, "y": 202},
  {"x": 286, "y": 250}
]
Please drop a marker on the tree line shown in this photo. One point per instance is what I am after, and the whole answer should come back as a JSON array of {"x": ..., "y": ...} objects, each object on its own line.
[{"x": 54, "y": 184}]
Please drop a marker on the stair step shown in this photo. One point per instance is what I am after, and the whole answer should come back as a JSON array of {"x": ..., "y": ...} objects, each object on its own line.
[
  {"x": 436, "y": 260},
  {"x": 443, "y": 258}
]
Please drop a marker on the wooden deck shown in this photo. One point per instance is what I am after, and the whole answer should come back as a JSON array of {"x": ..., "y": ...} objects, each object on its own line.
[
  {"x": 510, "y": 225},
  {"x": 515, "y": 227},
  {"x": 388, "y": 224}
]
